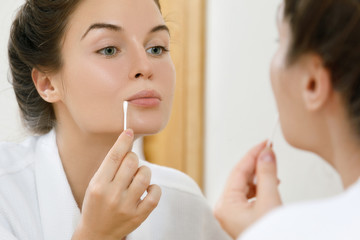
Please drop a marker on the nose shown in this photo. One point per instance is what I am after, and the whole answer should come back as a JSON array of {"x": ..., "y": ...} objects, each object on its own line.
[{"x": 141, "y": 65}]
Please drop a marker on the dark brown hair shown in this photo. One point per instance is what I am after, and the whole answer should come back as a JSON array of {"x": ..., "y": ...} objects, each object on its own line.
[
  {"x": 330, "y": 29},
  {"x": 35, "y": 42}
]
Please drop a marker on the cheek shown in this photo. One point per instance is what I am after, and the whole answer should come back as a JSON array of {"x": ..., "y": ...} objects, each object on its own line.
[
  {"x": 94, "y": 92},
  {"x": 275, "y": 74},
  {"x": 286, "y": 88},
  {"x": 166, "y": 75},
  {"x": 94, "y": 81},
  {"x": 279, "y": 81},
  {"x": 170, "y": 77},
  {"x": 93, "y": 73},
  {"x": 166, "y": 84}
]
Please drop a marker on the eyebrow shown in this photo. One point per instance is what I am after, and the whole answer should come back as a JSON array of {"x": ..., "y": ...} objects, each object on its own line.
[
  {"x": 111, "y": 27},
  {"x": 116, "y": 28},
  {"x": 160, "y": 28}
]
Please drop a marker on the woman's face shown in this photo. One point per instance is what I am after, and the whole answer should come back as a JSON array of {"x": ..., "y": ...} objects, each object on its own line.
[
  {"x": 116, "y": 50},
  {"x": 286, "y": 84}
]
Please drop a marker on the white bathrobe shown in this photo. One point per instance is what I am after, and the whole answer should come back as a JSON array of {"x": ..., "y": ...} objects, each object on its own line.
[
  {"x": 36, "y": 202},
  {"x": 336, "y": 218}
]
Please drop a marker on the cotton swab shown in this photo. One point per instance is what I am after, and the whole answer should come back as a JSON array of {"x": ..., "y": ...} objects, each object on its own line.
[
  {"x": 125, "y": 107},
  {"x": 270, "y": 139}
]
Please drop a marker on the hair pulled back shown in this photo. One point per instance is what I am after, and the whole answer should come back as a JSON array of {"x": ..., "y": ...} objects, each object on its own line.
[
  {"x": 331, "y": 29},
  {"x": 35, "y": 42}
]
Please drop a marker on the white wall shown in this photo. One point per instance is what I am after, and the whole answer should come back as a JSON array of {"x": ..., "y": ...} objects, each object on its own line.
[
  {"x": 10, "y": 126},
  {"x": 240, "y": 108}
]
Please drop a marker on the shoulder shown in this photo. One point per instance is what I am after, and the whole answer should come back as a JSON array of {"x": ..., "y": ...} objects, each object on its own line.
[
  {"x": 183, "y": 203},
  {"x": 15, "y": 157},
  {"x": 172, "y": 178},
  {"x": 320, "y": 219}
]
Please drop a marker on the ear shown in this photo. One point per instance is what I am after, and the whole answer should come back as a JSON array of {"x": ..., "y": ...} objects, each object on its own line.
[
  {"x": 317, "y": 85},
  {"x": 45, "y": 86}
]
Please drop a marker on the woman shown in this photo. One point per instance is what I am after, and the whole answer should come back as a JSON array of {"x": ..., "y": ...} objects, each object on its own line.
[
  {"x": 315, "y": 77},
  {"x": 73, "y": 64}
]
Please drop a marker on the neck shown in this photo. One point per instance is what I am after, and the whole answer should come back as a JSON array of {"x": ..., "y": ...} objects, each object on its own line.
[
  {"x": 346, "y": 159},
  {"x": 341, "y": 148},
  {"x": 81, "y": 155}
]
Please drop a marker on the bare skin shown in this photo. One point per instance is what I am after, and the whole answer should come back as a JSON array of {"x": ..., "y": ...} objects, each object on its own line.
[
  {"x": 112, "y": 51},
  {"x": 112, "y": 206},
  {"x": 313, "y": 117}
]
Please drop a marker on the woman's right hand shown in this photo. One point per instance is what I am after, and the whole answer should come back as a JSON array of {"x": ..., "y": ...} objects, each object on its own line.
[
  {"x": 234, "y": 210},
  {"x": 112, "y": 205}
]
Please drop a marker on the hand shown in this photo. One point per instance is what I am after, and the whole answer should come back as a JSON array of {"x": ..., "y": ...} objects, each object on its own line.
[
  {"x": 112, "y": 206},
  {"x": 234, "y": 210}
]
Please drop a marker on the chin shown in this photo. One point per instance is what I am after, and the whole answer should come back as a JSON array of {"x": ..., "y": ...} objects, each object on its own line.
[
  {"x": 145, "y": 123},
  {"x": 291, "y": 141},
  {"x": 149, "y": 128},
  {"x": 297, "y": 141},
  {"x": 290, "y": 137}
]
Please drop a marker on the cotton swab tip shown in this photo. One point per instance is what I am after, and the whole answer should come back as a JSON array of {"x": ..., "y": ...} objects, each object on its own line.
[
  {"x": 125, "y": 108},
  {"x": 271, "y": 137},
  {"x": 270, "y": 140}
]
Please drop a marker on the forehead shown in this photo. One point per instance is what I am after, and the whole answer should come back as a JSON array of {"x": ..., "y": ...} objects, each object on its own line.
[
  {"x": 131, "y": 15},
  {"x": 280, "y": 13},
  {"x": 282, "y": 23}
]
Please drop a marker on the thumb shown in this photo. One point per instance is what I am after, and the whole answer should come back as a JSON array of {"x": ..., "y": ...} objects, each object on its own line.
[{"x": 266, "y": 174}]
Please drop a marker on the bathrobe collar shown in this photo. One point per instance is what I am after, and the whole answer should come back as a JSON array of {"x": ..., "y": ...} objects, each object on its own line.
[{"x": 58, "y": 209}]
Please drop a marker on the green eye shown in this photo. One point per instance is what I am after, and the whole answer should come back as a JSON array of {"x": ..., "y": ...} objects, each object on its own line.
[
  {"x": 157, "y": 50},
  {"x": 108, "y": 51}
]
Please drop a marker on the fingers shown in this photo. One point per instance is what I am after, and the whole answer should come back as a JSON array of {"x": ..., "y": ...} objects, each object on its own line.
[
  {"x": 233, "y": 210},
  {"x": 267, "y": 181},
  {"x": 112, "y": 204},
  {"x": 127, "y": 171},
  {"x": 139, "y": 184},
  {"x": 150, "y": 202},
  {"x": 243, "y": 172},
  {"x": 113, "y": 159}
]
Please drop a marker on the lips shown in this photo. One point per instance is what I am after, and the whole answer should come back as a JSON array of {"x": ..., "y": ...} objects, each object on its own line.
[{"x": 145, "y": 98}]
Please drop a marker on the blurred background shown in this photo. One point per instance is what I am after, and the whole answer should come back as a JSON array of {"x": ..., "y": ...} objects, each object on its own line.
[{"x": 223, "y": 102}]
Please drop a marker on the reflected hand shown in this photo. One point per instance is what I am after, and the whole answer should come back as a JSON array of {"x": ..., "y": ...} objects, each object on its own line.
[{"x": 234, "y": 211}]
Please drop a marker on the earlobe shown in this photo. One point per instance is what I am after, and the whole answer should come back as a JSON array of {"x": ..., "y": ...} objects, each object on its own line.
[
  {"x": 44, "y": 86},
  {"x": 317, "y": 85}
]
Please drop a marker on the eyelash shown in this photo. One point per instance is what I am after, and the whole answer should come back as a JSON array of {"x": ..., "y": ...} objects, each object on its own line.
[
  {"x": 102, "y": 51},
  {"x": 163, "y": 50}
]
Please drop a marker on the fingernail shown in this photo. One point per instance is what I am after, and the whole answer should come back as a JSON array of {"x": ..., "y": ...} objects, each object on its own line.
[
  {"x": 129, "y": 132},
  {"x": 267, "y": 157}
]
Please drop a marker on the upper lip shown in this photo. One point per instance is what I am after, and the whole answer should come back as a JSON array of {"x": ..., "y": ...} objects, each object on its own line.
[{"x": 145, "y": 94}]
